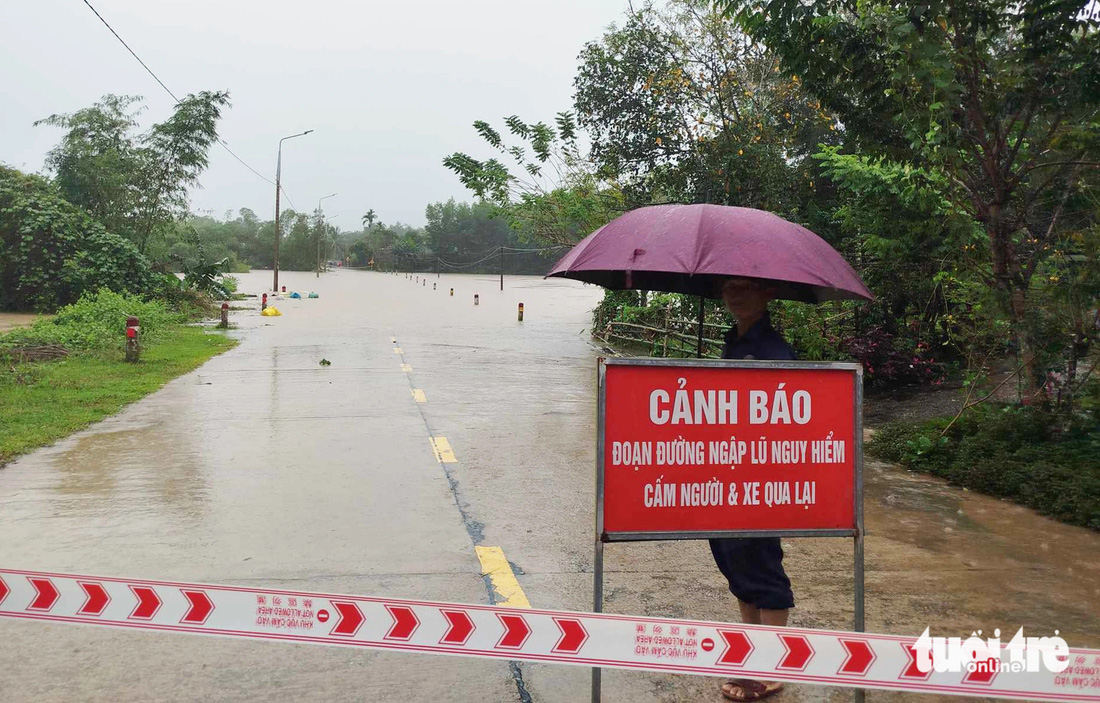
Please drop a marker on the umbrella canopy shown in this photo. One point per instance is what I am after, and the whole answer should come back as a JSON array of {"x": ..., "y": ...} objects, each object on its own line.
[{"x": 693, "y": 248}]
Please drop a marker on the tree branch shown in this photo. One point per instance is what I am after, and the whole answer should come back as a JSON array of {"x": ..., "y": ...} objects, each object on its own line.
[
  {"x": 967, "y": 405},
  {"x": 1065, "y": 163}
]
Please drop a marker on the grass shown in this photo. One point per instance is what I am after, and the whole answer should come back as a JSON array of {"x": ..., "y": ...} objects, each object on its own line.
[{"x": 43, "y": 402}]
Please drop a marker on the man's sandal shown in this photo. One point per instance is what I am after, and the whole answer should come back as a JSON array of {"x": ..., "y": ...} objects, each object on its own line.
[{"x": 749, "y": 689}]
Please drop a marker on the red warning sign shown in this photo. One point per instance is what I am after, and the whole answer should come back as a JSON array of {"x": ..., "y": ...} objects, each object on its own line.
[{"x": 727, "y": 446}]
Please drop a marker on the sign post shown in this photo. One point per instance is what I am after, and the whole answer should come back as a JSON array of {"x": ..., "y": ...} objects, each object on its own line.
[{"x": 699, "y": 449}]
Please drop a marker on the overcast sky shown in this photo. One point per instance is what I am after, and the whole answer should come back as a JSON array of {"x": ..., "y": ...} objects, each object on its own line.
[{"x": 390, "y": 88}]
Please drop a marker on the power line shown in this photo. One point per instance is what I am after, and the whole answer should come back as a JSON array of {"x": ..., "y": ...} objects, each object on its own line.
[
  {"x": 283, "y": 190},
  {"x": 222, "y": 142},
  {"x": 131, "y": 51},
  {"x": 430, "y": 257},
  {"x": 469, "y": 264},
  {"x": 226, "y": 147},
  {"x": 495, "y": 251},
  {"x": 550, "y": 248}
]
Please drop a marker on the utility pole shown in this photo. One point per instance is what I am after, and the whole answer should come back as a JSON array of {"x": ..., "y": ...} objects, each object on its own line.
[
  {"x": 275, "y": 265},
  {"x": 502, "y": 267},
  {"x": 278, "y": 179},
  {"x": 321, "y": 229}
]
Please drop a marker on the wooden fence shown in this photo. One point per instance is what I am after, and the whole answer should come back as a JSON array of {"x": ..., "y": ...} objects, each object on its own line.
[{"x": 677, "y": 340}]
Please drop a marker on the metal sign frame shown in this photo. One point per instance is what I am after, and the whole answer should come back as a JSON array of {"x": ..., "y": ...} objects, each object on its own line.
[{"x": 855, "y": 533}]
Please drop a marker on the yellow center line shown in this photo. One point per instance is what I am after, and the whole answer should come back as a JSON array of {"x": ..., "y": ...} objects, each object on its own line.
[
  {"x": 443, "y": 452},
  {"x": 499, "y": 571},
  {"x": 493, "y": 562}
]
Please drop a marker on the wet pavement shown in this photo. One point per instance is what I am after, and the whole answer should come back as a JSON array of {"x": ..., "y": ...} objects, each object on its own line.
[{"x": 264, "y": 467}]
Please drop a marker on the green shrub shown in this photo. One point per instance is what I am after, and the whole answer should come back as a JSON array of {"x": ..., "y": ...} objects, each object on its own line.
[
  {"x": 230, "y": 283},
  {"x": 890, "y": 442},
  {"x": 96, "y": 321},
  {"x": 190, "y": 303},
  {"x": 236, "y": 265},
  {"x": 1023, "y": 453},
  {"x": 805, "y": 329},
  {"x": 52, "y": 252}
]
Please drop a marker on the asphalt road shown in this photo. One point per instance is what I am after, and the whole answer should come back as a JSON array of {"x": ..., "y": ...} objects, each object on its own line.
[{"x": 264, "y": 467}]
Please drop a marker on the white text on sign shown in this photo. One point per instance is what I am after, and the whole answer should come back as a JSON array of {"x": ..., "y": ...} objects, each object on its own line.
[{"x": 719, "y": 407}]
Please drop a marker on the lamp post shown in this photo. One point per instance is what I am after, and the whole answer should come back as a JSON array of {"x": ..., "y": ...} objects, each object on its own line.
[
  {"x": 278, "y": 177},
  {"x": 321, "y": 229}
]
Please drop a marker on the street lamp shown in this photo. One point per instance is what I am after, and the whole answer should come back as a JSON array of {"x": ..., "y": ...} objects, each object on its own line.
[
  {"x": 321, "y": 229},
  {"x": 278, "y": 177}
]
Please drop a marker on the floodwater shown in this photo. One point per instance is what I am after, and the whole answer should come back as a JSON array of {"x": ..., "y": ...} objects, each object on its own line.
[
  {"x": 11, "y": 320},
  {"x": 265, "y": 467}
]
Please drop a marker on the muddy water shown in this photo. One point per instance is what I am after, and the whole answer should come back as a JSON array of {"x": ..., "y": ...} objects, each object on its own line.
[
  {"x": 11, "y": 320},
  {"x": 993, "y": 563}
]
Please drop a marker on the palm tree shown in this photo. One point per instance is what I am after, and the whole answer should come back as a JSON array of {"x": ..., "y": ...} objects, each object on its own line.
[{"x": 369, "y": 219}]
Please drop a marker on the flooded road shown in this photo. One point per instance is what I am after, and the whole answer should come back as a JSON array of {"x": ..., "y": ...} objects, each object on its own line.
[
  {"x": 11, "y": 320},
  {"x": 265, "y": 467}
]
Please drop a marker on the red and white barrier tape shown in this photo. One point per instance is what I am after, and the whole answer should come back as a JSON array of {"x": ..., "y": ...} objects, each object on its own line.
[{"x": 557, "y": 637}]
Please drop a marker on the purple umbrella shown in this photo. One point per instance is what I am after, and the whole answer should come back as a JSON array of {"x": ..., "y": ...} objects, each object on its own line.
[{"x": 692, "y": 248}]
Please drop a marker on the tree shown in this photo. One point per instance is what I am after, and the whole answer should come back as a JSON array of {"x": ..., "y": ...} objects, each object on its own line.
[
  {"x": 298, "y": 250},
  {"x": 204, "y": 274},
  {"x": 461, "y": 229},
  {"x": 176, "y": 153},
  {"x": 97, "y": 164},
  {"x": 918, "y": 252},
  {"x": 239, "y": 239},
  {"x": 558, "y": 199},
  {"x": 683, "y": 107},
  {"x": 135, "y": 185},
  {"x": 369, "y": 218},
  {"x": 52, "y": 251},
  {"x": 358, "y": 254},
  {"x": 999, "y": 98}
]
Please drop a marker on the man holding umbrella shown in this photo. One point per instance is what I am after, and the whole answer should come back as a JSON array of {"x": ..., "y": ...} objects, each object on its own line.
[
  {"x": 747, "y": 258},
  {"x": 753, "y": 565}
]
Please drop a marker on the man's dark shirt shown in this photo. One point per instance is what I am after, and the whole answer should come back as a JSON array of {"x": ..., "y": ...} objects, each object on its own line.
[
  {"x": 754, "y": 565},
  {"x": 760, "y": 342}
]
